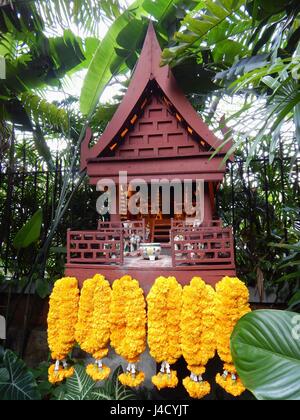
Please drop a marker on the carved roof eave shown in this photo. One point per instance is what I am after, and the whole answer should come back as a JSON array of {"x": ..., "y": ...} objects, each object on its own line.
[{"x": 147, "y": 69}]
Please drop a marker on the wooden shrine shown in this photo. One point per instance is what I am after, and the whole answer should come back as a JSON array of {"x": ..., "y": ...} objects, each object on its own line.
[{"x": 155, "y": 133}]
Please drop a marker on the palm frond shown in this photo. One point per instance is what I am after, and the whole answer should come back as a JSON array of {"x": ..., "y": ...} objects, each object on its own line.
[
  {"x": 86, "y": 14},
  {"x": 45, "y": 113},
  {"x": 212, "y": 22},
  {"x": 34, "y": 15}
]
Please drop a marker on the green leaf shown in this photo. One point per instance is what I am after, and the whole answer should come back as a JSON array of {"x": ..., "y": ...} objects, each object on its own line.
[
  {"x": 67, "y": 51},
  {"x": 265, "y": 347},
  {"x": 291, "y": 264},
  {"x": 162, "y": 9},
  {"x": 16, "y": 382},
  {"x": 90, "y": 47},
  {"x": 46, "y": 112},
  {"x": 2, "y": 68},
  {"x": 200, "y": 80},
  {"x": 30, "y": 232},
  {"x": 130, "y": 39},
  {"x": 79, "y": 386},
  {"x": 99, "y": 73},
  {"x": 115, "y": 389},
  {"x": 290, "y": 247},
  {"x": 4, "y": 375},
  {"x": 295, "y": 300},
  {"x": 129, "y": 36},
  {"x": 288, "y": 277},
  {"x": 297, "y": 124},
  {"x": 227, "y": 52},
  {"x": 43, "y": 288},
  {"x": 42, "y": 147},
  {"x": 210, "y": 21},
  {"x": 58, "y": 249}
]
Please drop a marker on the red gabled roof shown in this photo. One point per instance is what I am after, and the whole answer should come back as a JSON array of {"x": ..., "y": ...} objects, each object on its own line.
[{"x": 148, "y": 69}]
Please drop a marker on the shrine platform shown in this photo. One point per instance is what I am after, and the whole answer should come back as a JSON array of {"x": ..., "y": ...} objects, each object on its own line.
[{"x": 207, "y": 252}]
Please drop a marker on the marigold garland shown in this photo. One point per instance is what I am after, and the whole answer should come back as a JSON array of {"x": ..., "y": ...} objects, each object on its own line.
[
  {"x": 62, "y": 318},
  {"x": 164, "y": 312},
  {"x": 232, "y": 303},
  {"x": 128, "y": 326},
  {"x": 93, "y": 326},
  {"x": 197, "y": 334}
]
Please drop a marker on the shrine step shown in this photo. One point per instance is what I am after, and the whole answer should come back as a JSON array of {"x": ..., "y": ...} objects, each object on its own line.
[{"x": 161, "y": 231}]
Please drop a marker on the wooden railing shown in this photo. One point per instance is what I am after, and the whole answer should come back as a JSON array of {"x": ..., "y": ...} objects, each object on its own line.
[
  {"x": 209, "y": 246},
  {"x": 129, "y": 228},
  {"x": 194, "y": 223},
  {"x": 95, "y": 247}
]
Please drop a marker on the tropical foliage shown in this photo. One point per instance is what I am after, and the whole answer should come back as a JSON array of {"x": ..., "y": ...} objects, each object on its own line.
[
  {"x": 252, "y": 48},
  {"x": 266, "y": 351},
  {"x": 17, "y": 382}
]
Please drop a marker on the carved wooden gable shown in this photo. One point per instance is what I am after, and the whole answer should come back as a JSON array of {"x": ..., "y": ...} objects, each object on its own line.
[{"x": 157, "y": 133}]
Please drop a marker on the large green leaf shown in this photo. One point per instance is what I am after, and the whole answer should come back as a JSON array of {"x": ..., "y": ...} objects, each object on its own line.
[
  {"x": 265, "y": 347},
  {"x": 90, "y": 47},
  {"x": 30, "y": 232},
  {"x": 79, "y": 386},
  {"x": 99, "y": 73},
  {"x": 16, "y": 382},
  {"x": 130, "y": 41}
]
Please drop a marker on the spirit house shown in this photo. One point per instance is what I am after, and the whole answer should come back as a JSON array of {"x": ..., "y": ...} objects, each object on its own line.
[{"x": 155, "y": 134}]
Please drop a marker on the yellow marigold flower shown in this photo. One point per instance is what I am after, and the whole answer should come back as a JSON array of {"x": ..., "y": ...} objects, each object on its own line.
[
  {"x": 164, "y": 380},
  {"x": 59, "y": 375},
  {"x": 232, "y": 303},
  {"x": 85, "y": 314},
  {"x": 128, "y": 322},
  {"x": 196, "y": 389},
  {"x": 197, "y": 333},
  {"x": 97, "y": 373},
  {"x": 164, "y": 312},
  {"x": 62, "y": 318},
  {"x": 93, "y": 326},
  {"x": 128, "y": 379},
  {"x": 234, "y": 386}
]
